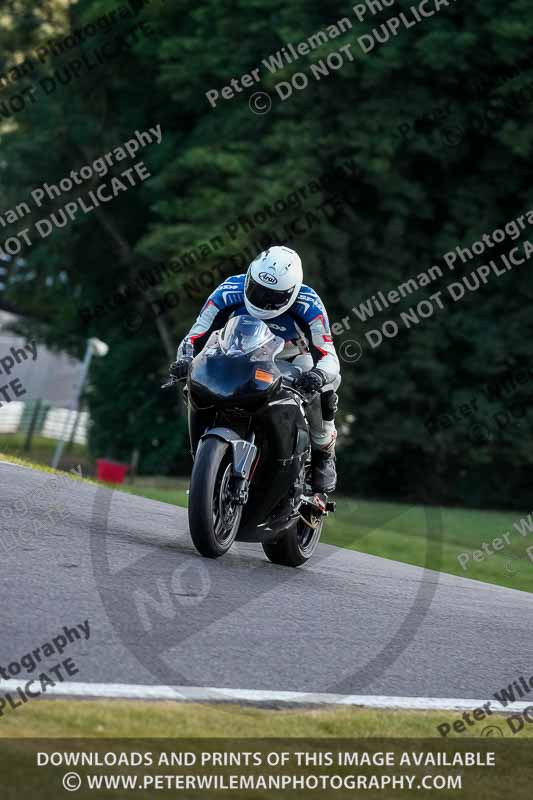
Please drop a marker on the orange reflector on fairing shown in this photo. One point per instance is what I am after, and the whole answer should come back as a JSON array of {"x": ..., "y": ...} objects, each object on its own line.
[{"x": 266, "y": 377}]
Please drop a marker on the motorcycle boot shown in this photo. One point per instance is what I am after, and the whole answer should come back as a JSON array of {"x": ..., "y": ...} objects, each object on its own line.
[
  {"x": 323, "y": 438},
  {"x": 324, "y": 472}
]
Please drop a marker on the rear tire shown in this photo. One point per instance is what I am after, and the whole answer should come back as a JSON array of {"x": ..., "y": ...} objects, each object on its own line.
[
  {"x": 295, "y": 546},
  {"x": 213, "y": 519}
]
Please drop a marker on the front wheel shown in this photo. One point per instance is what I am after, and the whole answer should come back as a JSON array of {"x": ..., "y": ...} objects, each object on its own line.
[
  {"x": 296, "y": 545},
  {"x": 214, "y": 517}
]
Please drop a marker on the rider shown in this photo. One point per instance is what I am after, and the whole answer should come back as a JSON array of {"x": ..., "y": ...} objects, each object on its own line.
[{"x": 272, "y": 290}]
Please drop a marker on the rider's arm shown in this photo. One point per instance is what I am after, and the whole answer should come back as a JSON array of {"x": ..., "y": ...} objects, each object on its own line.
[
  {"x": 213, "y": 316},
  {"x": 312, "y": 318}
]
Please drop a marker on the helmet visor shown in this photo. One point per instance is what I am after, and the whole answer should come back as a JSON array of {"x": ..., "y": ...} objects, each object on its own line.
[{"x": 264, "y": 298}]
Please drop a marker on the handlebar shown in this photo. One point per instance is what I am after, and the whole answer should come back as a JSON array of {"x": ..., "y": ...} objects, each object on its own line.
[
  {"x": 173, "y": 381},
  {"x": 287, "y": 382},
  {"x": 306, "y": 398}
]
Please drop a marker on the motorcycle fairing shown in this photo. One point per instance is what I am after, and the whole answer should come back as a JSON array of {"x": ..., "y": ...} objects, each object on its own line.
[{"x": 225, "y": 392}]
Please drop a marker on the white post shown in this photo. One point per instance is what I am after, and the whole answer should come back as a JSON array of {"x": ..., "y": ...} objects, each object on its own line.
[
  {"x": 95, "y": 347},
  {"x": 75, "y": 405}
]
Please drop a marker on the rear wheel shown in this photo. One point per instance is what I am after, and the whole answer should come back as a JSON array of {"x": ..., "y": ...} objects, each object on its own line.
[
  {"x": 214, "y": 517},
  {"x": 297, "y": 544}
]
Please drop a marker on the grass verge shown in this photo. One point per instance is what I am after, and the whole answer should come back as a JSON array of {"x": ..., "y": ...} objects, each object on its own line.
[
  {"x": 42, "y": 451},
  {"x": 132, "y": 719}
]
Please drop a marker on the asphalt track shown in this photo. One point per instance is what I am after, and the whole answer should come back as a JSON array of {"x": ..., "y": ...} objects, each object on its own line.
[{"x": 161, "y": 615}]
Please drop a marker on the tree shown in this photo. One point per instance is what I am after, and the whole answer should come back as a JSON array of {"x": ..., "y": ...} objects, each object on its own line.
[{"x": 372, "y": 173}]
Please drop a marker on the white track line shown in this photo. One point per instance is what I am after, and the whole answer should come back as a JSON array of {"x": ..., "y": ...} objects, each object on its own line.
[{"x": 202, "y": 694}]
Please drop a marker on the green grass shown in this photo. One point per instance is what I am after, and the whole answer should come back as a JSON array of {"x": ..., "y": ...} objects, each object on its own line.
[
  {"x": 73, "y": 473},
  {"x": 42, "y": 452},
  {"x": 165, "y": 490},
  {"x": 402, "y": 533},
  {"x": 130, "y": 719}
]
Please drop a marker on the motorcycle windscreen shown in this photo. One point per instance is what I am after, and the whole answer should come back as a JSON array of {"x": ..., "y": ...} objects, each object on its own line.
[
  {"x": 238, "y": 362},
  {"x": 245, "y": 334}
]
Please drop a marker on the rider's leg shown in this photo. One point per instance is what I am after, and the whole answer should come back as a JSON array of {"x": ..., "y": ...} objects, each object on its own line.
[
  {"x": 323, "y": 438},
  {"x": 323, "y": 432}
]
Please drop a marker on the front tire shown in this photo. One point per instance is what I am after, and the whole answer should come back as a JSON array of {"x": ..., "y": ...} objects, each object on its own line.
[
  {"x": 296, "y": 545},
  {"x": 213, "y": 518}
]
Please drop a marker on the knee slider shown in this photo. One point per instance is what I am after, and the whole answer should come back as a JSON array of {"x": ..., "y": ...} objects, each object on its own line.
[{"x": 329, "y": 402}]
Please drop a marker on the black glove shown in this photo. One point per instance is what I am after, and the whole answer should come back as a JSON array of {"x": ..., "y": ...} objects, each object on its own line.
[
  {"x": 310, "y": 382},
  {"x": 180, "y": 369}
]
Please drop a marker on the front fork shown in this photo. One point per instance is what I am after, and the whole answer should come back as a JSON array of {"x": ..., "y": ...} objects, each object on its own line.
[{"x": 244, "y": 460}]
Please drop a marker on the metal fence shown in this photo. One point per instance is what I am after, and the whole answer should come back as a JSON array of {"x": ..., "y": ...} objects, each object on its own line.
[
  {"x": 38, "y": 393},
  {"x": 38, "y": 418}
]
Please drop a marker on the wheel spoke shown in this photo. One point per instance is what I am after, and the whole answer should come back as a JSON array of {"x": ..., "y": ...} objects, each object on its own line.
[
  {"x": 308, "y": 536},
  {"x": 225, "y": 513}
]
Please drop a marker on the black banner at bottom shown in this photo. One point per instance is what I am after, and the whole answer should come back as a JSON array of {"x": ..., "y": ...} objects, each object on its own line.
[{"x": 255, "y": 768}]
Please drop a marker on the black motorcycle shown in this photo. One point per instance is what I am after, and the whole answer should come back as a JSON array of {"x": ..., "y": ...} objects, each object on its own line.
[{"x": 251, "y": 446}]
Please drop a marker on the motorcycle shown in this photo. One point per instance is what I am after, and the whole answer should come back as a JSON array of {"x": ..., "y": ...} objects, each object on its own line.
[{"x": 251, "y": 446}]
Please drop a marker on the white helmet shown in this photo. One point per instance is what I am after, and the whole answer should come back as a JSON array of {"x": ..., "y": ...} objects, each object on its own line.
[{"x": 273, "y": 281}]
